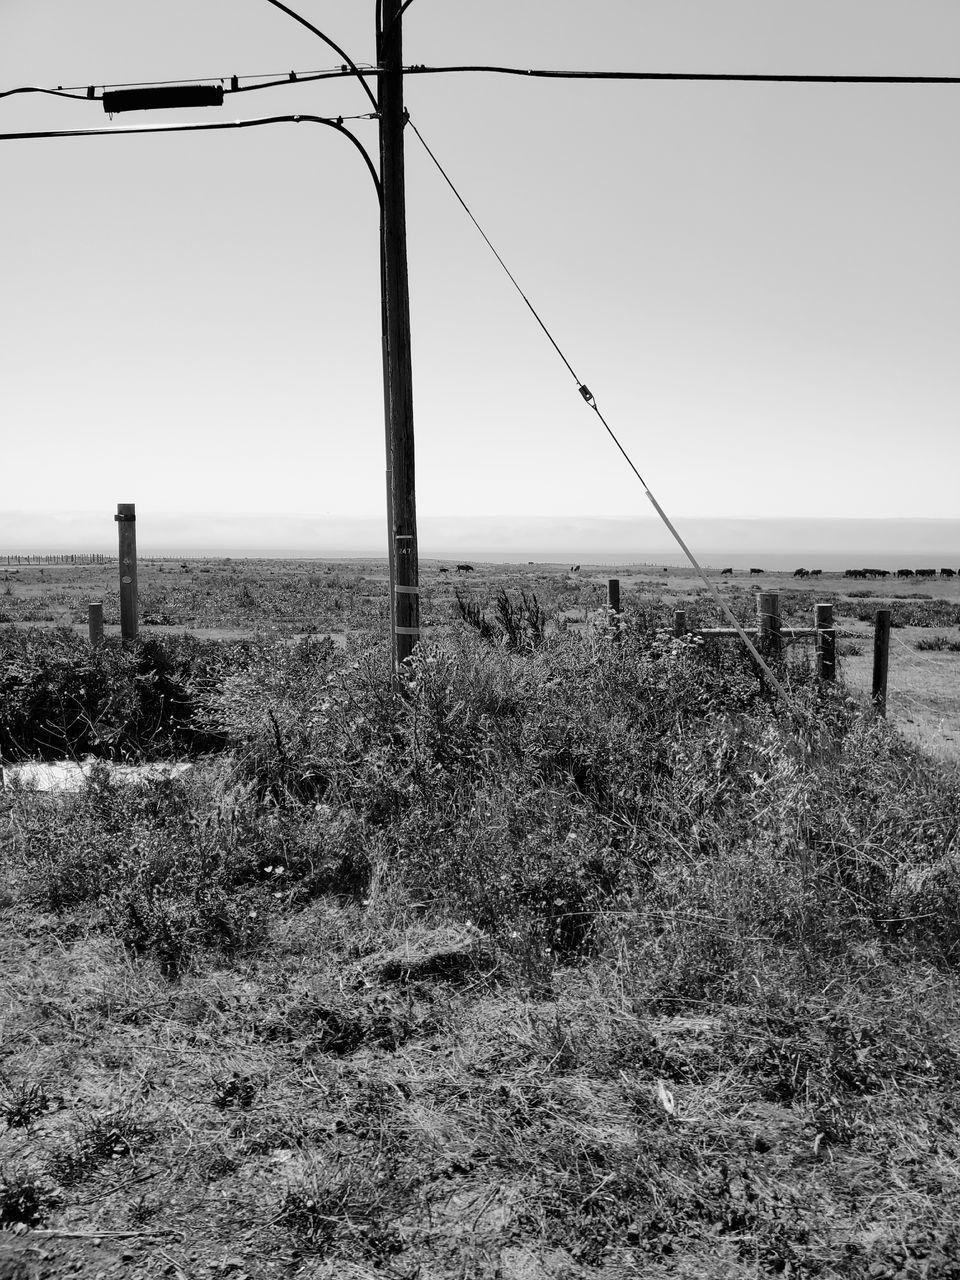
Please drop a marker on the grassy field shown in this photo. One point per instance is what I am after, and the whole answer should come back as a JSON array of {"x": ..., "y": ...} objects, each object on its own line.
[
  {"x": 571, "y": 959},
  {"x": 231, "y": 599}
]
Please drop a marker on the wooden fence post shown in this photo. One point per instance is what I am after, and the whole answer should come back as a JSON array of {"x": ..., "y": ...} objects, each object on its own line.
[
  {"x": 95, "y": 623},
  {"x": 768, "y": 623},
  {"x": 680, "y": 623},
  {"x": 126, "y": 518},
  {"x": 613, "y": 595},
  {"x": 881, "y": 660},
  {"x": 826, "y": 642}
]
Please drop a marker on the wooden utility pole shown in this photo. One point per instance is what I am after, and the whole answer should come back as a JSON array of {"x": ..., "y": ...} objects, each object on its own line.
[
  {"x": 402, "y": 511},
  {"x": 126, "y": 518}
]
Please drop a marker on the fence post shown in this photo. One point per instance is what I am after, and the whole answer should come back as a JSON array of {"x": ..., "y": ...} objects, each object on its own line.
[
  {"x": 826, "y": 642},
  {"x": 126, "y": 518},
  {"x": 881, "y": 660},
  {"x": 613, "y": 595},
  {"x": 680, "y": 623},
  {"x": 768, "y": 623},
  {"x": 95, "y": 623}
]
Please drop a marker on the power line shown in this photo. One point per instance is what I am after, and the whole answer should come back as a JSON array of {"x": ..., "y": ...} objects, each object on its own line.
[
  {"x": 277, "y": 79},
  {"x": 332, "y": 122},
  {"x": 764, "y": 78},
  {"x": 269, "y": 79}
]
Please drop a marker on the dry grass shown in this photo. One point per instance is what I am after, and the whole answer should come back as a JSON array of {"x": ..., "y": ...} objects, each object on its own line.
[
  {"x": 923, "y": 688},
  {"x": 497, "y": 1132},
  {"x": 576, "y": 962}
]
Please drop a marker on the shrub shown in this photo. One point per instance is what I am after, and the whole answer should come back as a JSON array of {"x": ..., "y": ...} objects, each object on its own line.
[
  {"x": 914, "y": 611},
  {"x": 24, "y": 1199},
  {"x": 518, "y": 624},
  {"x": 60, "y": 699},
  {"x": 938, "y": 644},
  {"x": 21, "y": 1104},
  {"x": 98, "y": 1140}
]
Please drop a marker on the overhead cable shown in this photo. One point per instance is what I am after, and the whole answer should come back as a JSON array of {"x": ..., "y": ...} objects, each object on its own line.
[
  {"x": 354, "y": 69},
  {"x": 331, "y": 122},
  {"x": 277, "y": 79},
  {"x": 763, "y": 77},
  {"x": 590, "y": 400}
]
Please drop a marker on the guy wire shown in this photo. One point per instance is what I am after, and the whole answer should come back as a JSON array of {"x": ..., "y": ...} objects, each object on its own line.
[{"x": 591, "y": 401}]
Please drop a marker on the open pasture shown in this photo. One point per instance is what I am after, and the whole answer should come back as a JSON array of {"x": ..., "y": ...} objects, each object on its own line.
[{"x": 231, "y": 598}]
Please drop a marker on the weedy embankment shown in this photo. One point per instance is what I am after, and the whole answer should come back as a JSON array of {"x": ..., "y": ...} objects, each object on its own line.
[{"x": 576, "y": 958}]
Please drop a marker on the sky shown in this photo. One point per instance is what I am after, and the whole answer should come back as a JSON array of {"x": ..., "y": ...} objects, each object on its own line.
[{"x": 760, "y": 283}]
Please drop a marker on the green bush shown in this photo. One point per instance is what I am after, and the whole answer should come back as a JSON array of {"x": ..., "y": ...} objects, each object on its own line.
[
  {"x": 59, "y": 698},
  {"x": 541, "y": 790},
  {"x": 591, "y": 792}
]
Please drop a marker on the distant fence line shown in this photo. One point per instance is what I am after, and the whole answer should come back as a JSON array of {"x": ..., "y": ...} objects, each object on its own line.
[{"x": 80, "y": 557}]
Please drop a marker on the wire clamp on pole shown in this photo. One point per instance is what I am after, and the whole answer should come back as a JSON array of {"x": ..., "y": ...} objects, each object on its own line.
[{"x": 587, "y": 394}]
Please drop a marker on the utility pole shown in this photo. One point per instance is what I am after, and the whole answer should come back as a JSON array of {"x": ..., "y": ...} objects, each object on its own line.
[{"x": 401, "y": 509}]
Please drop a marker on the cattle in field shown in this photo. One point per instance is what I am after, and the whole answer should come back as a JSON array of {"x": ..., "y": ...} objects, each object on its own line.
[
  {"x": 947, "y": 573},
  {"x": 574, "y": 568},
  {"x": 464, "y": 568},
  {"x": 904, "y": 573},
  {"x": 801, "y": 573},
  {"x": 926, "y": 573},
  {"x": 815, "y": 573},
  {"x": 726, "y": 573},
  {"x": 754, "y": 572},
  {"x": 443, "y": 569}
]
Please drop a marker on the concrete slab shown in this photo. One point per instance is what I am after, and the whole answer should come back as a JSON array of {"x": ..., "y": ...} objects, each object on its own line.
[{"x": 71, "y": 775}]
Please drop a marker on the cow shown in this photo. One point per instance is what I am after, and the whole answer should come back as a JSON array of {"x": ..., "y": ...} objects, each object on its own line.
[
  {"x": 727, "y": 573},
  {"x": 904, "y": 573},
  {"x": 754, "y": 572},
  {"x": 926, "y": 573},
  {"x": 464, "y": 568},
  {"x": 443, "y": 569},
  {"x": 815, "y": 573},
  {"x": 947, "y": 573},
  {"x": 574, "y": 568},
  {"x": 801, "y": 573}
]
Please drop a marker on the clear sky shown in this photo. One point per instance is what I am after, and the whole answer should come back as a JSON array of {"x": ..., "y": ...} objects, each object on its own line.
[{"x": 760, "y": 283}]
